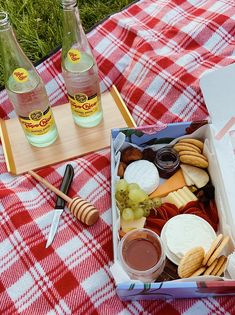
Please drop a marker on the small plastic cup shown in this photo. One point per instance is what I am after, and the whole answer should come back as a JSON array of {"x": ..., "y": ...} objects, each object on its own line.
[{"x": 142, "y": 255}]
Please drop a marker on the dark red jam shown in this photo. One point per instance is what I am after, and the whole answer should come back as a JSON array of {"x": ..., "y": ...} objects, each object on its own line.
[{"x": 167, "y": 161}]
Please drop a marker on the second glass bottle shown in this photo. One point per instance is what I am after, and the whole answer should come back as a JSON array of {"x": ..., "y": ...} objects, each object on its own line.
[{"x": 79, "y": 69}]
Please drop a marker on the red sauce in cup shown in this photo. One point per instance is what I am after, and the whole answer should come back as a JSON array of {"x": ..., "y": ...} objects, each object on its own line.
[{"x": 141, "y": 254}]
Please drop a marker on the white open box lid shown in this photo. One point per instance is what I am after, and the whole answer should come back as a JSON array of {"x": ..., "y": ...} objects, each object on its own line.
[{"x": 218, "y": 88}]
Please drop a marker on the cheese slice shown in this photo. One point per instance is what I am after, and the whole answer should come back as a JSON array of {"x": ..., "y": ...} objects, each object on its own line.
[
  {"x": 180, "y": 198},
  {"x": 186, "y": 198},
  {"x": 198, "y": 176},
  {"x": 191, "y": 195},
  {"x": 132, "y": 224},
  {"x": 188, "y": 180},
  {"x": 173, "y": 183},
  {"x": 174, "y": 199}
]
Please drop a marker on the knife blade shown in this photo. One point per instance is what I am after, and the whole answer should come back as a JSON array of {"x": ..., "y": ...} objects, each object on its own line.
[{"x": 60, "y": 203}]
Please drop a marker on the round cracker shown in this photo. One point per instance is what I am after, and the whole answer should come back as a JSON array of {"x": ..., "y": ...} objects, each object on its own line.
[
  {"x": 191, "y": 262},
  {"x": 212, "y": 249},
  {"x": 195, "y": 142},
  {"x": 221, "y": 260},
  {"x": 186, "y": 146},
  {"x": 194, "y": 161},
  {"x": 210, "y": 269},
  {"x": 198, "y": 272},
  {"x": 218, "y": 250},
  {"x": 221, "y": 270},
  {"x": 193, "y": 154}
]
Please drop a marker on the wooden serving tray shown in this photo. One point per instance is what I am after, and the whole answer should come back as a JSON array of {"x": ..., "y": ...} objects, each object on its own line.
[{"x": 72, "y": 142}]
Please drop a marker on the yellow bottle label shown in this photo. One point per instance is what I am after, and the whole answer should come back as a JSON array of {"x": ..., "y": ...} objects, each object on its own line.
[
  {"x": 20, "y": 75},
  {"x": 74, "y": 55},
  {"x": 82, "y": 105},
  {"x": 38, "y": 123}
]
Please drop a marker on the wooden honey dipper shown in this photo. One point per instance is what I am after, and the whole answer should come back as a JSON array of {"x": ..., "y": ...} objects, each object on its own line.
[{"x": 81, "y": 209}]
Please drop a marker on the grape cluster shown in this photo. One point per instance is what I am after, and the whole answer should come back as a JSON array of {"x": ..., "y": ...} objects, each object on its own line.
[{"x": 132, "y": 201}]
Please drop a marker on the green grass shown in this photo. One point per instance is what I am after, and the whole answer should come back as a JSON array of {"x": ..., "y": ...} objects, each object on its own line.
[{"x": 38, "y": 27}]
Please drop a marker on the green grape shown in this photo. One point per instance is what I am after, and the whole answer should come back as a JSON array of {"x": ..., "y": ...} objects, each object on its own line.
[
  {"x": 132, "y": 204},
  {"x": 138, "y": 213},
  {"x": 147, "y": 204},
  {"x": 119, "y": 196},
  {"x": 121, "y": 205},
  {"x": 133, "y": 186},
  {"x": 128, "y": 214},
  {"x": 157, "y": 202},
  {"x": 137, "y": 195},
  {"x": 121, "y": 185},
  {"x": 150, "y": 204},
  {"x": 146, "y": 212}
]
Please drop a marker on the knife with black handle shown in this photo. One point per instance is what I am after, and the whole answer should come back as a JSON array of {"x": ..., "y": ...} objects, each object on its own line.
[{"x": 60, "y": 203}]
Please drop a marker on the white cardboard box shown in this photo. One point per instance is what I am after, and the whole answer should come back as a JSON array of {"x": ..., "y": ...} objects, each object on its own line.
[{"x": 218, "y": 89}]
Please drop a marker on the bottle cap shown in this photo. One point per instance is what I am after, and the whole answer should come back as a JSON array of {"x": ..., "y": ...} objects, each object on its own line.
[
  {"x": 68, "y": 3},
  {"x": 4, "y": 20}
]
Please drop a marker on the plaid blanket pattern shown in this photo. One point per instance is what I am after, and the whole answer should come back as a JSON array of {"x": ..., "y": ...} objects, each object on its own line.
[{"x": 155, "y": 53}]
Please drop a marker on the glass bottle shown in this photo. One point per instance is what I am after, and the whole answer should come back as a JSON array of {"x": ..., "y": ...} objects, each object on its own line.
[
  {"x": 25, "y": 89},
  {"x": 79, "y": 69}
]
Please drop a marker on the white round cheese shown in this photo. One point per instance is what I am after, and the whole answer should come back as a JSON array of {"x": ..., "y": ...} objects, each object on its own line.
[
  {"x": 184, "y": 232},
  {"x": 171, "y": 256},
  {"x": 143, "y": 173}
]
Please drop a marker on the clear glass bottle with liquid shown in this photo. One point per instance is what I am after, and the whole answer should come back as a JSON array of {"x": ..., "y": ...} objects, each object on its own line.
[
  {"x": 25, "y": 89},
  {"x": 79, "y": 69}
]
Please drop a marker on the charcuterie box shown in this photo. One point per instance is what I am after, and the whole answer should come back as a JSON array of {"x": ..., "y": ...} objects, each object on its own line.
[{"x": 217, "y": 134}]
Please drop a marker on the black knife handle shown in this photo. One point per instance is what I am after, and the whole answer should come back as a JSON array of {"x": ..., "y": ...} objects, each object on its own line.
[{"x": 65, "y": 184}]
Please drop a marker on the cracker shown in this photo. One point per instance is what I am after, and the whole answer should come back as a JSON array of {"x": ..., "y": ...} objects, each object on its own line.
[
  {"x": 186, "y": 146},
  {"x": 212, "y": 249},
  {"x": 198, "y": 272},
  {"x": 194, "y": 160},
  {"x": 221, "y": 260},
  {"x": 195, "y": 142},
  {"x": 218, "y": 250},
  {"x": 191, "y": 262},
  {"x": 221, "y": 270},
  {"x": 193, "y": 154},
  {"x": 210, "y": 269}
]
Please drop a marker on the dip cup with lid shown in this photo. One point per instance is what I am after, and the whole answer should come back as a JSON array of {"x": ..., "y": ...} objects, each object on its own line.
[{"x": 142, "y": 255}]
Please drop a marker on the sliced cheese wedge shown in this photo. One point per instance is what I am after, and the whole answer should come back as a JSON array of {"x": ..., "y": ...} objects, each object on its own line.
[
  {"x": 188, "y": 180},
  {"x": 186, "y": 198},
  {"x": 173, "y": 199},
  {"x": 191, "y": 195},
  {"x": 198, "y": 176},
  {"x": 180, "y": 198},
  {"x": 173, "y": 183},
  {"x": 133, "y": 224}
]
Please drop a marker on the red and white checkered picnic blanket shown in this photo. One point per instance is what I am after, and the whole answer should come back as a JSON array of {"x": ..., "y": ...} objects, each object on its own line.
[{"x": 154, "y": 52}]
